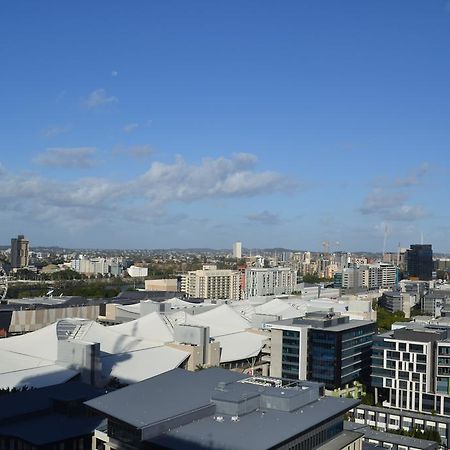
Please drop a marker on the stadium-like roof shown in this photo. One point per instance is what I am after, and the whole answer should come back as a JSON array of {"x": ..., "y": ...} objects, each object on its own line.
[{"x": 32, "y": 359}]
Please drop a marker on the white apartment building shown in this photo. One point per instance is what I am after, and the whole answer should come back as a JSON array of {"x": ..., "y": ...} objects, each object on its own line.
[
  {"x": 411, "y": 369},
  {"x": 237, "y": 250},
  {"x": 372, "y": 276},
  {"x": 271, "y": 281},
  {"x": 137, "y": 272},
  {"x": 213, "y": 283}
]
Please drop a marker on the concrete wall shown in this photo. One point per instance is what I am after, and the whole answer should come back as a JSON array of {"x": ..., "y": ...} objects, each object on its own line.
[
  {"x": 31, "y": 320},
  {"x": 276, "y": 344},
  {"x": 163, "y": 285}
]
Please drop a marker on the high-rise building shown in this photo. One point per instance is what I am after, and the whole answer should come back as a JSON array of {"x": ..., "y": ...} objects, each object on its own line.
[
  {"x": 420, "y": 262},
  {"x": 269, "y": 281},
  {"x": 237, "y": 250},
  {"x": 19, "y": 252},
  {"x": 212, "y": 283},
  {"x": 323, "y": 347}
]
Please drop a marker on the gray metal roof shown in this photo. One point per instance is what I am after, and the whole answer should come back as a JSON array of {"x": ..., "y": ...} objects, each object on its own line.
[
  {"x": 392, "y": 438},
  {"x": 164, "y": 396},
  {"x": 180, "y": 393},
  {"x": 342, "y": 440},
  {"x": 258, "y": 430}
]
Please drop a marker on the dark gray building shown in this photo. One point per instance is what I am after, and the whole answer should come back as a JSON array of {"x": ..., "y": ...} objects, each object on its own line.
[
  {"x": 420, "y": 262},
  {"x": 219, "y": 409},
  {"x": 19, "y": 252},
  {"x": 50, "y": 418}
]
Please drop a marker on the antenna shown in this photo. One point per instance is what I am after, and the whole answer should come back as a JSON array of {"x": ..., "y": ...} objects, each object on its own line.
[{"x": 385, "y": 239}]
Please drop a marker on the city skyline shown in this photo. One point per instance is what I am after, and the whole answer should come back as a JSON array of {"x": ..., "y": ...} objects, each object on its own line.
[{"x": 275, "y": 125}]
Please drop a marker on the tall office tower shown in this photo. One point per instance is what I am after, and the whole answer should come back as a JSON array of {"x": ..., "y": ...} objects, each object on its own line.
[
  {"x": 19, "y": 251},
  {"x": 237, "y": 250},
  {"x": 420, "y": 262}
]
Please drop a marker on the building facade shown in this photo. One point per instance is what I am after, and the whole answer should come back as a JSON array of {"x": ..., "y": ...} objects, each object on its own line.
[
  {"x": 420, "y": 262},
  {"x": 322, "y": 347},
  {"x": 270, "y": 281},
  {"x": 237, "y": 250},
  {"x": 212, "y": 283},
  {"x": 411, "y": 369},
  {"x": 19, "y": 252}
]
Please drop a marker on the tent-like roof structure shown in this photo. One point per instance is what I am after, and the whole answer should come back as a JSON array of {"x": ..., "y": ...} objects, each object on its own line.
[
  {"x": 221, "y": 320},
  {"x": 32, "y": 358},
  {"x": 280, "y": 308},
  {"x": 241, "y": 345},
  {"x": 152, "y": 326}
]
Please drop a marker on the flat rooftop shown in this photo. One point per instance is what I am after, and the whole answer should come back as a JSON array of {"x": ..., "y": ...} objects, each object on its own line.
[
  {"x": 299, "y": 322},
  {"x": 268, "y": 413}
]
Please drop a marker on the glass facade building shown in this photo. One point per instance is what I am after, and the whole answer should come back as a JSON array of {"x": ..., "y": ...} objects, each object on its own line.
[
  {"x": 328, "y": 349},
  {"x": 420, "y": 262}
]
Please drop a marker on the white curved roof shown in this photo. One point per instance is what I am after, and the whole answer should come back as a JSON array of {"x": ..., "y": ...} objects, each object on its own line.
[
  {"x": 242, "y": 345},
  {"x": 37, "y": 377},
  {"x": 280, "y": 308},
  {"x": 134, "y": 309},
  {"x": 176, "y": 302},
  {"x": 221, "y": 320},
  {"x": 139, "y": 365},
  {"x": 33, "y": 355},
  {"x": 151, "y": 326},
  {"x": 42, "y": 343}
]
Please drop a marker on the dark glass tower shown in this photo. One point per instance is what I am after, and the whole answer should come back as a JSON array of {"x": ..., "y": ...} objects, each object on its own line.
[{"x": 420, "y": 262}]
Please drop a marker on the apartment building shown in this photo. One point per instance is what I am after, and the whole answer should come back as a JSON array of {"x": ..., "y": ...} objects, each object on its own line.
[
  {"x": 19, "y": 252},
  {"x": 212, "y": 283},
  {"x": 270, "y": 281},
  {"x": 371, "y": 276},
  {"x": 411, "y": 368}
]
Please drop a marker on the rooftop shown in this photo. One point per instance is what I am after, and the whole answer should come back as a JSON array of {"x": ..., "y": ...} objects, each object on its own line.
[{"x": 220, "y": 409}]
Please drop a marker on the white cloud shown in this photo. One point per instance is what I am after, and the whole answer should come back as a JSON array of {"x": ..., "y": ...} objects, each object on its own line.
[
  {"x": 391, "y": 205},
  {"x": 55, "y": 130},
  {"x": 70, "y": 158},
  {"x": 415, "y": 177},
  {"x": 406, "y": 213},
  {"x": 99, "y": 97},
  {"x": 380, "y": 200},
  {"x": 264, "y": 217},
  {"x": 129, "y": 127},
  {"x": 135, "y": 151},
  {"x": 220, "y": 177},
  {"x": 114, "y": 73},
  {"x": 85, "y": 200}
]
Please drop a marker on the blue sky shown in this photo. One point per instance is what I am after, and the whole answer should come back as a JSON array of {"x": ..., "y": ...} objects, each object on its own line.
[{"x": 153, "y": 124}]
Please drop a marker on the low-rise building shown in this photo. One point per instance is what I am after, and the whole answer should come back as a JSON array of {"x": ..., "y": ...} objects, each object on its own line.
[
  {"x": 163, "y": 285},
  {"x": 216, "y": 408}
]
